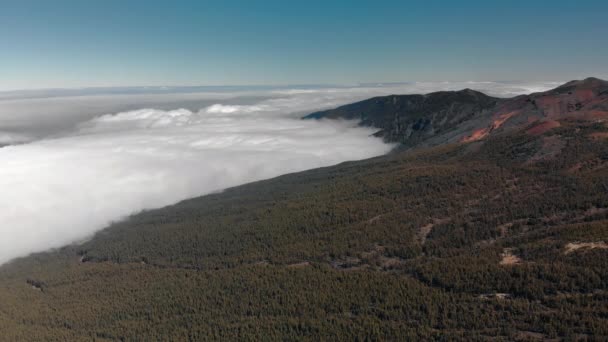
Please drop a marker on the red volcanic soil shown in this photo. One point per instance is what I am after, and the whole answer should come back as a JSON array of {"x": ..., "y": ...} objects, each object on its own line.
[
  {"x": 476, "y": 135},
  {"x": 483, "y": 132},
  {"x": 543, "y": 127},
  {"x": 502, "y": 119}
]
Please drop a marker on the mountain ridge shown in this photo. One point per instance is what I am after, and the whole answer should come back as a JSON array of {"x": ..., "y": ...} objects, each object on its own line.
[{"x": 468, "y": 115}]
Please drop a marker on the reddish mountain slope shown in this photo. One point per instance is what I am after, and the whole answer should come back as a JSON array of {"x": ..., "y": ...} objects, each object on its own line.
[
  {"x": 578, "y": 100},
  {"x": 467, "y": 115}
]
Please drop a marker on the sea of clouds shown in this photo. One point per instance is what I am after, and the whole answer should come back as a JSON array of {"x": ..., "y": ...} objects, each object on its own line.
[{"x": 78, "y": 161}]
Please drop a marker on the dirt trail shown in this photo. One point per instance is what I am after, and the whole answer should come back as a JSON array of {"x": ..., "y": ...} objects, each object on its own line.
[{"x": 573, "y": 246}]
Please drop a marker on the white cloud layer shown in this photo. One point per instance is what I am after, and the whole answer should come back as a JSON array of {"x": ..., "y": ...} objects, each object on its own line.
[
  {"x": 61, "y": 190},
  {"x": 74, "y": 170}
]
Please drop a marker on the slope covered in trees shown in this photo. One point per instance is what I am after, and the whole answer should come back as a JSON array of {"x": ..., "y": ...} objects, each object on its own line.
[{"x": 502, "y": 238}]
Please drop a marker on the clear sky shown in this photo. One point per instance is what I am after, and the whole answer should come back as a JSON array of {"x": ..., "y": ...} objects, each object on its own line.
[{"x": 61, "y": 43}]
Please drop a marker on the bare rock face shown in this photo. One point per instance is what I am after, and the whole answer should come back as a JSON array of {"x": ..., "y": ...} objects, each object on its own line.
[{"x": 468, "y": 115}]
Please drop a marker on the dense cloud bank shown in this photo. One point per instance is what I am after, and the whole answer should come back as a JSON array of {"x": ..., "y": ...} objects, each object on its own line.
[
  {"x": 60, "y": 190},
  {"x": 73, "y": 169}
]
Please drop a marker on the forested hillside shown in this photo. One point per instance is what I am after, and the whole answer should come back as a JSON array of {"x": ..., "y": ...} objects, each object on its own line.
[{"x": 502, "y": 238}]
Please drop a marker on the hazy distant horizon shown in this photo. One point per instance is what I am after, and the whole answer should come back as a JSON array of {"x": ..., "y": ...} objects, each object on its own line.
[{"x": 32, "y": 93}]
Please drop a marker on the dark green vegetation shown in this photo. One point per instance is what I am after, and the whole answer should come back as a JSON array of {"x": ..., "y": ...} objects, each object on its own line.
[{"x": 502, "y": 238}]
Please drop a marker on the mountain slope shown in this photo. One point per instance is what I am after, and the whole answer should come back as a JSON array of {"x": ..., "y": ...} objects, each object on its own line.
[
  {"x": 467, "y": 115},
  {"x": 499, "y": 239},
  {"x": 418, "y": 119}
]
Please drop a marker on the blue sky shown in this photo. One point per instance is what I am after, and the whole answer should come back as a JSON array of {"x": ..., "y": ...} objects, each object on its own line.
[{"x": 60, "y": 43}]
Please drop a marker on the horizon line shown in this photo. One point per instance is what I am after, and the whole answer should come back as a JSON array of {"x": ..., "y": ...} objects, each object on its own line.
[{"x": 274, "y": 85}]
